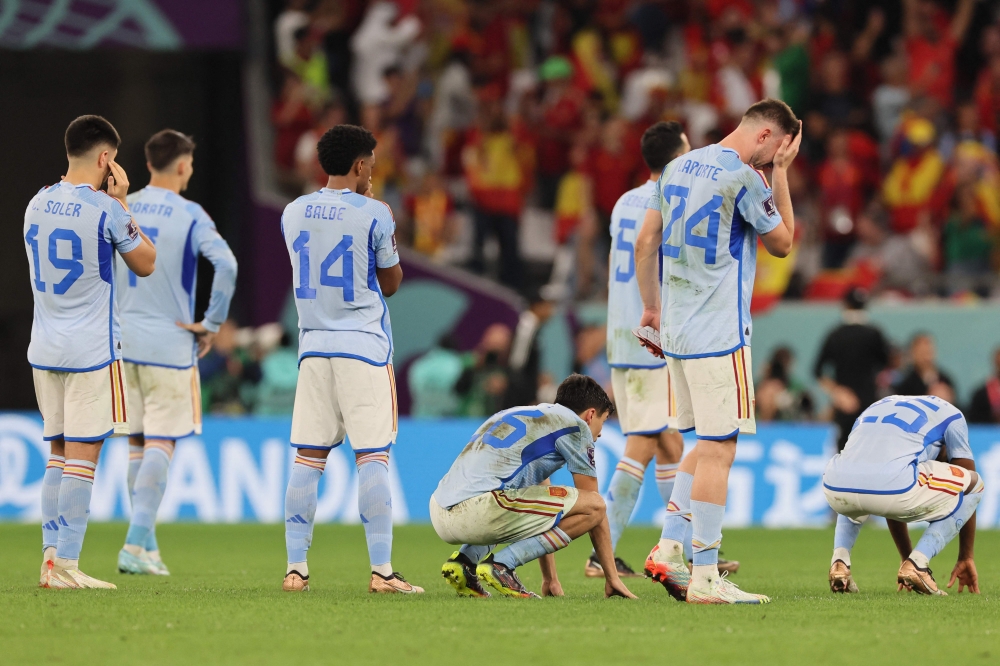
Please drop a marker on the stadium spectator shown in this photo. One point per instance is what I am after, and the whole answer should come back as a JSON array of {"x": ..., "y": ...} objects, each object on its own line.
[
  {"x": 561, "y": 117},
  {"x": 226, "y": 372},
  {"x": 923, "y": 376},
  {"x": 428, "y": 222},
  {"x": 985, "y": 405},
  {"x": 856, "y": 351},
  {"x": 377, "y": 45},
  {"x": 890, "y": 98},
  {"x": 526, "y": 377},
  {"x": 485, "y": 381},
  {"x": 967, "y": 246},
  {"x": 931, "y": 45},
  {"x": 494, "y": 169},
  {"x": 307, "y": 166},
  {"x": 432, "y": 380},
  {"x": 842, "y": 195},
  {"x": 781, "y": 397},
  {"x": 912, "y": 187}
]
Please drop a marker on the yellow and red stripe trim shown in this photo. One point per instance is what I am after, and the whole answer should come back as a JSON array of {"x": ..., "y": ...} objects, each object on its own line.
[
  {"x": 119, "y": 412},
  {"x": 376, "y": 457},
  {"x": 78, "y": 471},
  {"x": 631, "y": 469},
  {"x": 517, "y": 505},
  {"x": 315, "y": 463}
]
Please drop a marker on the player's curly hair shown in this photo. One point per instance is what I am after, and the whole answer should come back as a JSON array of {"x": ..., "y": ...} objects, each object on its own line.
[
  {"x": 341, "y": 146},
  {"x": 87, "y": 132},
  {"x": 661, "y": 143},
  {"x": 580, "y": 393}
]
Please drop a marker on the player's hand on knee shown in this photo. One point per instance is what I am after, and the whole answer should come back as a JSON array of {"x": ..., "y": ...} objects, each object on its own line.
[{"x": 966, "y": 575}]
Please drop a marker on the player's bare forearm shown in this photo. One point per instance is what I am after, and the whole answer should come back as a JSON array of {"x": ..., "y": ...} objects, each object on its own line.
[
  {"x": 389, "y": 279},
  {"x": 901, "y": 537},
  {"x": 600, "y": 536},
  {"x": 550, "y": 577},
  {"x": 141, "y": 260},
  {"x": 647, "y": 244}
]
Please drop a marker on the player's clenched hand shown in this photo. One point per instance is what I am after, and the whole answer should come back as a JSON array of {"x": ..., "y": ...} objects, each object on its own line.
[
  {"x": 117, "y": 182},
  {"x": 788, "y": 149},
  {"x": 966, "y": 575},
  {"x": 650, "y": 318},
  {"x": 617, "y": 589},
  {"x": 204, "y": 336},
  {"x": 552, "y": 588}
]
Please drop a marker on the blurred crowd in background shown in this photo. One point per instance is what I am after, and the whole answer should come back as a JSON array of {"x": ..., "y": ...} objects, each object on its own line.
[{"x": 507, "y": 129}]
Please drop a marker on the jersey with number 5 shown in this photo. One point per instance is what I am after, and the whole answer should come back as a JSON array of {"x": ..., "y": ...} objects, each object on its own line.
[
  {"x": 624, "y": 302},
  {"x": 336, "y": 239},
  {"x": 890, "y": 438},
  {"x": 71, "y": 233},
  {"x": 713, "y": 207},
  {"x": 517, "y": 448}
]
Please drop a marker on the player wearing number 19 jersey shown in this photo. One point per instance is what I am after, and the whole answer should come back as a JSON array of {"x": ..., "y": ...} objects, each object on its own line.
[
  {"x": 72, "y": 231},
  {"x": 160, "y": 339},
  {"x": 705, "y": 216},
  {"x": 342, "y": 246}
]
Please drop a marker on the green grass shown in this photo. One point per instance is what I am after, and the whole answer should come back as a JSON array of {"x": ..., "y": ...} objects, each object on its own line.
[{"x": 224, "y": 604}]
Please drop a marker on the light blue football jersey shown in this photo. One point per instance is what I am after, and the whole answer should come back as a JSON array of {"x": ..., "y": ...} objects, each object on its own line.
[
  {"x": 336, "y": 239},
  {"x": 151, "y": 306},
  {"x": 71, "y": 233},
  {"x": 890, "y": 438},
  {"x": 517, "y": 448},
  {"x": 624, "y": 302},
  {"x": 713, "y": 208}
]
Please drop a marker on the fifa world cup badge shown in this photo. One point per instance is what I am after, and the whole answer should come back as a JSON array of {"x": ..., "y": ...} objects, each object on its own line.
[
  {"x": 133, "y": 229},
  {"x": 769, "y": 206}
]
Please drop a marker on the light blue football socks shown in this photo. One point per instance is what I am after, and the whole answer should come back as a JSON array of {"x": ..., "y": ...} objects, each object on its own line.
[
  {"x": 475, "y": 553},
  {"x": 706, "y": 532},
  {"x": 844, "y": 537},
  {"x": 147, "y": 493},
  {"x": 75, "y": 490},
  {"x": 50, "y": 501},
  {"x": 527, "y": 550},
  {"x": 300, "y": 509},
  {"x": 623, "y": 491},
  {"x": 375, "y": 507}
]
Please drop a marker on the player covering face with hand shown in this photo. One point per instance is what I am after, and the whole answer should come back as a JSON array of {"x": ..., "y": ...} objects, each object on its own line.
[
  {"x": 893, "y": 466},
  {"x": 496, "y": 493},
  {"x": 704, "y": 218},
  {"x": 72, "y": 231}
]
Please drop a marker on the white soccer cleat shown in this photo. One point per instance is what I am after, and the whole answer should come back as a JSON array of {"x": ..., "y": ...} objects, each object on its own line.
[
  {"x": 54, "y": 577},
  {"x": 841, "y": 580},
  {"x": 84, "y": 581},
  {"x": 720, "y": 590},
  {"x": 60, "y": 577}
]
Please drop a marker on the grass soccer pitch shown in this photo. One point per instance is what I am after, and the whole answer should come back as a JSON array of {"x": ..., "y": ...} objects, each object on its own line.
[{"x": 224, "y": 605}]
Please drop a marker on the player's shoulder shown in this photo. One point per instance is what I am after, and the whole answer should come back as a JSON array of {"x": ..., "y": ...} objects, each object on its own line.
[
  {"x": 99, "y": 199},
  {"x": 380, "y": 209}
]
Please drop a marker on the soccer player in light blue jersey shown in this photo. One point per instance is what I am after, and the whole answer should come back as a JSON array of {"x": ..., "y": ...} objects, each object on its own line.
[
  {"x": 342, "y": 245},
  {"x": 643, "y": 393},
  {"x": 71, "y": 232},
  {"x": 907, "y": 459},
  {"x": 497, "y": 492},
  {"x": 161, "y": 342},
  {"x": 704, "y": 218}
]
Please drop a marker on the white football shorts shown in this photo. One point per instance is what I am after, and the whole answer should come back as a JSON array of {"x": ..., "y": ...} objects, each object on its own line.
[
  {"x": 165, "y": 402},
  {"x": 503, "y": 516},
  {"x": 338, "y": 397},
  {"x": 937, "y": 494},
  {"x": 83, "y": 406},
  {"x": 644, "y": 400},
  {"x": 715, "y": 395}
]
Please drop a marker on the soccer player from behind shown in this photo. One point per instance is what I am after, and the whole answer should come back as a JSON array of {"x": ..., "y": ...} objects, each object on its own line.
[
  {"x": 643, "y": 392},
  {"x": 161, "y": 341},
  {"x": 342, "y": 246},
  {"x": 496, "y": 492},
  {"x": 893, "y": 466},
  {"x": 72, "y": 231},
  {"x": 707, "y": 211}
]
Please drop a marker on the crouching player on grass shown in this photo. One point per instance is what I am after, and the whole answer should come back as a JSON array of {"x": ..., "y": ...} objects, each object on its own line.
[
  {"x": 892, "y": 467},
  {"x": 495, "y": 492}
]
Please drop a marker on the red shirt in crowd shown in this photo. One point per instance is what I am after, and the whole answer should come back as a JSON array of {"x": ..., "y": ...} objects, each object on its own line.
[{"x": 932, "y": 66}]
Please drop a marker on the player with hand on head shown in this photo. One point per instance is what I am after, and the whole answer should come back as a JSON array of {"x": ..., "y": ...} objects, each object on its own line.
[
  {"x": 705, "y": 215},
  {"x": 161, "y": 341},
  {"x": 342, "y": 246},
  {"x": 893, "y": 466},
  {"x": 496, "y": 493},
  {"x": 72, "y": 231},
  {"x": 643, "y": 393}
]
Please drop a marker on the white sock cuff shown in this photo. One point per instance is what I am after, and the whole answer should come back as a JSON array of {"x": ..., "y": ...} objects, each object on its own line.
[
  {"x": 631, "y": 467},
  {"x": 301, "y": 567},
  {"x": 841, "y": 554}
]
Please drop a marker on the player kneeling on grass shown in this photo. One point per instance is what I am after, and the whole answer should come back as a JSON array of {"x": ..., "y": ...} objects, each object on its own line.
[
  {"x": 892, "y": 467},
  {"x": 494, "y": 493}
]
